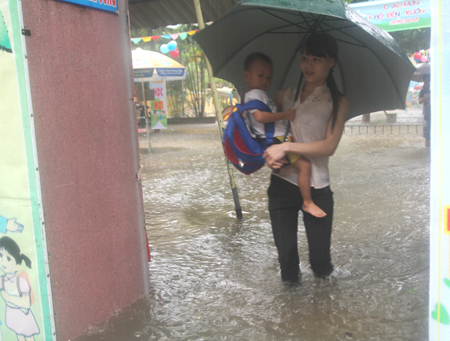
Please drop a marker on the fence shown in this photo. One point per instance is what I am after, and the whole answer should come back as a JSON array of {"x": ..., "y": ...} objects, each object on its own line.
[{"x": 393, "y": 129}]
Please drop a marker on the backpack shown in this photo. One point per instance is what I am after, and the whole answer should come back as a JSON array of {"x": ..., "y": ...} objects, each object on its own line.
[
  {"x": 242, "y": 149},
  {"x": 24, "y": 275}
]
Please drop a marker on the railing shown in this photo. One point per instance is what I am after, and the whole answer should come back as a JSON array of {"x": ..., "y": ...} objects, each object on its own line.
[{"x": 377, "y": 129}]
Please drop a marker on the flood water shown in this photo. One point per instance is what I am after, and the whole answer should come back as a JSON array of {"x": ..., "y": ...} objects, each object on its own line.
[{"x": 214, "y": 277}]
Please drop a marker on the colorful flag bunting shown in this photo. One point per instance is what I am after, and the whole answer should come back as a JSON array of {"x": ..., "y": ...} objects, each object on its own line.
[{"x": 174, "y": 36}]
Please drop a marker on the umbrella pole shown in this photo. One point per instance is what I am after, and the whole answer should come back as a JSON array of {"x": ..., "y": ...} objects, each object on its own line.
[
  {"x": 146, "y": 118},
  {"x": 201, "y": 25}
]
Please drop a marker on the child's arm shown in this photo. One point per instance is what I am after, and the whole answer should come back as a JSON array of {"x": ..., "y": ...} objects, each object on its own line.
[
  {"x": 267, "y": 117},
  {"x": 16, "y": 301}
]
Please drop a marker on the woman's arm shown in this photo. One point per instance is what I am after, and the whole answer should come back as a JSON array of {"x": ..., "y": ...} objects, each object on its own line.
[
  {"x": 325, "y": 147},
  {"x": 424, "y": 99}
]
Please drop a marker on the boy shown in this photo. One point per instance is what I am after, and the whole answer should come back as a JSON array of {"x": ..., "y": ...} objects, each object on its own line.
[{"x": 258, "y": 72}]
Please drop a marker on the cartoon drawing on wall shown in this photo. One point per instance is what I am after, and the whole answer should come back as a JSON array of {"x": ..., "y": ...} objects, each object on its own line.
[
  {"x": 5, "y": 43},
  {"x": 16, "y": 290},
  {"x": 440, "y": 314},
  {"x": 10, "y": 225}
]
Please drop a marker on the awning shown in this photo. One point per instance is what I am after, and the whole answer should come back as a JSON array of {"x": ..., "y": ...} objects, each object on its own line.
[{"x": 152, "y": 14}]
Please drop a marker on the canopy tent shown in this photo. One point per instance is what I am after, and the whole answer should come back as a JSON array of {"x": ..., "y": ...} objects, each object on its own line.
[
  {"x": 150, "y": 66},
  {"x": 157, "y": 68}
]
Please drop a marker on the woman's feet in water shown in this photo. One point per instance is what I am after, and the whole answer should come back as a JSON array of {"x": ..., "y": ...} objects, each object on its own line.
[
  {"x": 311, "y": 208},
  {"x": 295, "y": 281}
]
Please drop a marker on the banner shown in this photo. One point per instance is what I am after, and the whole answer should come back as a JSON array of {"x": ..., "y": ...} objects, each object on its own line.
[
  {"x": 104, "y": 5},
  {"x": 396, "y": 15},
  {"x": 25, "y": 303},
  {"x": 159, "y": 105}
]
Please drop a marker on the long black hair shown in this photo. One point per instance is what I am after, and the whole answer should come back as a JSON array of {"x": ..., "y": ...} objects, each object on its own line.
[
  {"x": 323, "y": 45},
  {"x": 13, "y": 249}
]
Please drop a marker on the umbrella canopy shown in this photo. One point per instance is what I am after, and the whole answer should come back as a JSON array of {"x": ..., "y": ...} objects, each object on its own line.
[
  {"x": 150, "y": 65},
  {"x": 423, "y": 69},
  {"x": 373, "y": 71}
]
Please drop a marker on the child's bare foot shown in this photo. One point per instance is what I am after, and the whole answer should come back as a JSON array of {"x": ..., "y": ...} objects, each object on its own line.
[{"x": 313, "y": 209}]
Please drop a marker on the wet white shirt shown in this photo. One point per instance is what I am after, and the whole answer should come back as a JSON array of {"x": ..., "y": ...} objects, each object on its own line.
[
  {"x": 310, "y": 125},
  {"x": 280, "y": 126}
]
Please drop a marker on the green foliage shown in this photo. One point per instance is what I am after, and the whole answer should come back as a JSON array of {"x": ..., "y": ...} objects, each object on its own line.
[
  {"x": 413, "y": 40},
  {"x": 194, "y": 60}
]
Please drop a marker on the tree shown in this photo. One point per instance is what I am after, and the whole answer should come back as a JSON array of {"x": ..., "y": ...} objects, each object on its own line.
[
  {"x": 413, "y": 40},
  {"x": 192, "y": 57}
]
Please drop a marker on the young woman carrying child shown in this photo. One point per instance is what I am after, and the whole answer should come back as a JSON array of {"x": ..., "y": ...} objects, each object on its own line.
[
  {"x": 320, "y": 114},
  {"x": 258, "y": 72}
]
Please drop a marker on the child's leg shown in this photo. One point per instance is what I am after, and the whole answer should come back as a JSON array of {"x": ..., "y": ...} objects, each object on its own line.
[{"x": 304, "y": 173}]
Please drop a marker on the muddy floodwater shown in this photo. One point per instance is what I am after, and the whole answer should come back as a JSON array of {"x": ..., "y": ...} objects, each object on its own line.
[{"x": 214, "y": 277}]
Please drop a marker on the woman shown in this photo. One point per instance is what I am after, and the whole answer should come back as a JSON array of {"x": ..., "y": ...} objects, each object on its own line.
[
  {"x": 320, "y": 114},
  {"x": 424, "y": 99}
]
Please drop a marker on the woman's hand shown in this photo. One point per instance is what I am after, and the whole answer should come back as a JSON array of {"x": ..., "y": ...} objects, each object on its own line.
[{"x": 274, "y": 155}]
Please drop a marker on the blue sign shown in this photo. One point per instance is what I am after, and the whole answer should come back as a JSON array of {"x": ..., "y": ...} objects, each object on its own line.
[
  {"x": 104, "y": 5},
  {"x": 170, "y": 72},
  {"x": 143, "y": 73}
]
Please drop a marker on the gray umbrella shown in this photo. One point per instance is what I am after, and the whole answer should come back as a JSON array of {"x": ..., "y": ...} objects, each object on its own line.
[{"x": 373, "y": 71}]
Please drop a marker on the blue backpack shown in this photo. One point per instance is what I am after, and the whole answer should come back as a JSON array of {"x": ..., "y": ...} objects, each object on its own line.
[{"x": 240, "y": 147}]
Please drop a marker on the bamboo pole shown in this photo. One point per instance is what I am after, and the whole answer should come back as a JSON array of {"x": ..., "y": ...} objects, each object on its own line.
[{"x": 219, "y": 117}]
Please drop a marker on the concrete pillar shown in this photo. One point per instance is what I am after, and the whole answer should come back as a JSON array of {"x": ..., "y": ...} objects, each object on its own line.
[{"x": 81, "y": 85}]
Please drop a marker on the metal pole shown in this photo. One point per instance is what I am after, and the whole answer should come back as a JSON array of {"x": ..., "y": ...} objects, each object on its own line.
[
  {"x": 146, "y": 118},
  {"x": 182, "y": 97},
  {"x": 201, "y": 26}
]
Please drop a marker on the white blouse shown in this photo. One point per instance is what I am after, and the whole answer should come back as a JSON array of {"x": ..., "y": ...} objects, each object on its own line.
[{"x": 310, "y": 125}]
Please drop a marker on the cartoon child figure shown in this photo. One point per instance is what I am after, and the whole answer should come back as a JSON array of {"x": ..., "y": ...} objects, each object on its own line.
[{"x": 16, "y": 291}]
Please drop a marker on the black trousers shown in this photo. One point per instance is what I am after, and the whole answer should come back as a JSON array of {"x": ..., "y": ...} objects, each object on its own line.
[{"x": 285, "y": 202}]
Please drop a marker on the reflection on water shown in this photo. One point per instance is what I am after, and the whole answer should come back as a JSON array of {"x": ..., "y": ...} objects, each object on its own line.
[{"x": 214, "y": 277}]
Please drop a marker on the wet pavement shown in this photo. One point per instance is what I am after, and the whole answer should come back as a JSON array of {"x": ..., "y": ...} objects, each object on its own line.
[{"x": 214, "y": 277}]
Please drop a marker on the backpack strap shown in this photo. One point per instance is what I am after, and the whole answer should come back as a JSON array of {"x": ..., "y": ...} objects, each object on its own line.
[{"x": 255, "y": 104}]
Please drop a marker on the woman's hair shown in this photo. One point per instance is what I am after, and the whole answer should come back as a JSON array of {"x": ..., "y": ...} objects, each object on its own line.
[
  {"x": 13, "y": 249},
  {"x": 324, "y": 46},
  {"x": 251, "y": 58}
]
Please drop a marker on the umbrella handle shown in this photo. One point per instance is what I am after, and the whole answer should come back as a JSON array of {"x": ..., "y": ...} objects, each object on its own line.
[
  {"x": 298, "y": 88},
  {"x": 295, "y": 100}
]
